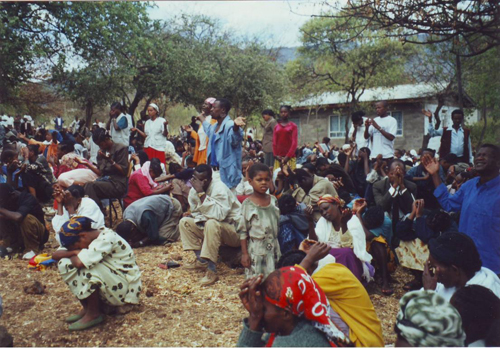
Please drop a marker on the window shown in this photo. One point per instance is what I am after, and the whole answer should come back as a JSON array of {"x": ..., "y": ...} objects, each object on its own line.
[
  {"x": 337, "y": 126},
  {"x": 398, "y": 115}
]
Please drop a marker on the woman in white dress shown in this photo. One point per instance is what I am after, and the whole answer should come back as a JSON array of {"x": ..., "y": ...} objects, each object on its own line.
[{"x": 155, "y": 133}]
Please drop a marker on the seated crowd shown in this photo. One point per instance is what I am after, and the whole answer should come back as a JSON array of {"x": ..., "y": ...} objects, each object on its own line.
[{"x": 313, "y": 226}]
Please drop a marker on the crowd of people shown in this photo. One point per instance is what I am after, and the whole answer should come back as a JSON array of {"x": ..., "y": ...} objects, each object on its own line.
[{"x": 312, "y": 225}]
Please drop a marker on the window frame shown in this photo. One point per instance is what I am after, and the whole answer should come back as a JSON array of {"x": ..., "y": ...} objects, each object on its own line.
[
  {"x": 402, "y": 122},
  {"x": 341, "y": 126}
]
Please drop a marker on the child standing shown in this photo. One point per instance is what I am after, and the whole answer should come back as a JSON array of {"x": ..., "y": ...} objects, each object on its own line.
[{"x": 259, "y": 228}]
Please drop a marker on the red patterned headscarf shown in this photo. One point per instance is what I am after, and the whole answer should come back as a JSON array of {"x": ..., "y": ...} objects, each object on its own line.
[
  {"x": 291, "y": 288},
  {"x": 331, "y": 199}
]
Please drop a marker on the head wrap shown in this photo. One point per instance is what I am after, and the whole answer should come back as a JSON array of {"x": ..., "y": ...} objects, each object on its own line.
[
  {"x": 425, "y": 319},
  {"x": 145, "y": 172},
  {"x": 456, "y": 249},
  {"x": 292, "y": 289},
  {"x": 210, "y": 101},
  {"x": 154, "y": 106},
  {"x": 331, "y": 199},
  {"x": 70, "y": 230}
]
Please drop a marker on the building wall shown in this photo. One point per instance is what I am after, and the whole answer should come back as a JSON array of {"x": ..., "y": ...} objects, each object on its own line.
[{"x": 314, "y": 127}]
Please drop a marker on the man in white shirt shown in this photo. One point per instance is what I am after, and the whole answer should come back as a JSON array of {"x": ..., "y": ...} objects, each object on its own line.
[
  {"x": 357, "y": 131},
  {"x": 119, "y": 125},
  {"x": 215, "y": 214},
  {"x": 382, "y": 129}
]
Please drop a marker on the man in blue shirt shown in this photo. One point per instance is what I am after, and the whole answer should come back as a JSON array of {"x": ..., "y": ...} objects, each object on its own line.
[
  {"x": 225, "y": 143},
  {"x": 478, "y": 200}
]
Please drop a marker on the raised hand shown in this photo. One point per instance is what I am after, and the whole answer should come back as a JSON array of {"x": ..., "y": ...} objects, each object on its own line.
[
  {"x": 427, "y": 113},
  {"x": 429, "y": 277},
  {"x": 359, "y": 205},
  {"x": 430, "y": 164},
  {"x": 240, "y": 121}
]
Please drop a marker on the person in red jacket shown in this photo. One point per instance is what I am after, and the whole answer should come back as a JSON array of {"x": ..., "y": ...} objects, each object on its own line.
[{"x": 285, "y": 140}]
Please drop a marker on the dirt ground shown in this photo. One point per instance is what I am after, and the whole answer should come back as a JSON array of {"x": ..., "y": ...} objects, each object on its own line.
[{"x": 174, "y": 310}]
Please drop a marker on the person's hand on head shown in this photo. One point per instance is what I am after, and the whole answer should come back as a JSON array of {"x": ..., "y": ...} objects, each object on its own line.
[
  {"x": 197, "y": 185},
  {"x": 306, "y": 244},
  {"x": 253, "y": 300},
  {"x": 368, "y": 122},
  {"x": 317, "y": 251}
]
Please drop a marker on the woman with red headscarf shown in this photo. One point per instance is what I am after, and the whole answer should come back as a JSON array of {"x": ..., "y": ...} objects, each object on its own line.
[{"x": 292, "y": 308}]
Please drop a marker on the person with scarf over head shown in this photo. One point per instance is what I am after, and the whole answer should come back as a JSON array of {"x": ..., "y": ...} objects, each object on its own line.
[
  {"x": 142, "y": 182},
  {"x": 99, "y": 267},
  {"x": 291, "y": 308},
  {"x": 425, "y": 319},
  {"x": 345, "y": 234},
  {"x": 155, "y": 134}
]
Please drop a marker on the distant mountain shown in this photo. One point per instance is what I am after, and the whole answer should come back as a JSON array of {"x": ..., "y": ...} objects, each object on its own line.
[{"x": 287, "y": 54}]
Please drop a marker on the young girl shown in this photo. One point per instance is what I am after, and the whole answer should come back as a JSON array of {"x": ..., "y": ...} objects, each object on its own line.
[{"x": 259, "y": 229}]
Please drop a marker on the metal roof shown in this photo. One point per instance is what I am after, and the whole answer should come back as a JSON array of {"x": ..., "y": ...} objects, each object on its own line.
[{"x": 400, "y": 92}]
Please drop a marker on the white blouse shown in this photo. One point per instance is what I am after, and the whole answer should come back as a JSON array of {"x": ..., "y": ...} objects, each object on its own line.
[{"x": 154, "y": 134}]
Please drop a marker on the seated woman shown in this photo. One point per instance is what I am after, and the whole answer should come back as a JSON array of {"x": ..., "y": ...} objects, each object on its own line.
[
  {"x": 141, "y": 182},
  {"x": 69, "y": 168},
  {"x": 425, "y": 319},
  {"x": 72, "y": 202},
  {"x": 352, "y": 310},
  {"x": 415, "y": 231},
  {"x": 99, "y": 267},
  {"x": 334, "y": 227},
  {"x": 291, "y": 308}
]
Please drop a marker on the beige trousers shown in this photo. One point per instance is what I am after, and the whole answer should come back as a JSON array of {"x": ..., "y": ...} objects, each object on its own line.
[{"x": 209, "y": 238}]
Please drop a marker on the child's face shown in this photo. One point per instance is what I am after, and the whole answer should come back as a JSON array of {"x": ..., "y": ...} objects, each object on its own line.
[{"x": 260, "y": 182}]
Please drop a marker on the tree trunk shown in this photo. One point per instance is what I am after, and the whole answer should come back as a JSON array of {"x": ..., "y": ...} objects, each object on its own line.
[
  {"x": 89, "y": 111},
  {"x": 483, "y": 131},
  {"x": 137, "y": 98},
  {"x": 459, "y": 81}
]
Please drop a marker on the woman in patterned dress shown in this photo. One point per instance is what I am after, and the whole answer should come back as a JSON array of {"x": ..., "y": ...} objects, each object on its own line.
[{"x": 101, "y": 260}]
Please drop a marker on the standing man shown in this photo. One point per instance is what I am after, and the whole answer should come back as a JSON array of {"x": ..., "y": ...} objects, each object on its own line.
[
  {"x": 119, "y": 125},
  {"x": 383, "y": 130},
  {"x": 58, "y": 122},
  {"x": 215, "y": 215},
  {"x": 268, "y": 123},
  {"x": 477, "y": 200},
  {"x": 357, "y": 131},
  {"x": 224, "y": 144},
  {"x": 455, "y": 140}
]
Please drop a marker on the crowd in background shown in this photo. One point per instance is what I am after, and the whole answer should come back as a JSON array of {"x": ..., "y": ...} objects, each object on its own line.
[{"x": 313, "y": 224}]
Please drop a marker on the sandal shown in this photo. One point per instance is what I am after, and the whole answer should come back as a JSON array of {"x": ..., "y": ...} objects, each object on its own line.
[
  {"x": 169, "y": 264},
  {"x": 73, "y": 318},
  {"x": 84, "y": 326}
]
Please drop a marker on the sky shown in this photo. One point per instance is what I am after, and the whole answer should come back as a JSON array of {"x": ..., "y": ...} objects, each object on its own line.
[{"x": 276, "y": 23}]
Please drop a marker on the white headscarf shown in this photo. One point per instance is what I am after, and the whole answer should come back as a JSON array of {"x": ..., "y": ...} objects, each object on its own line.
[{"x": 154, "y": 106}]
